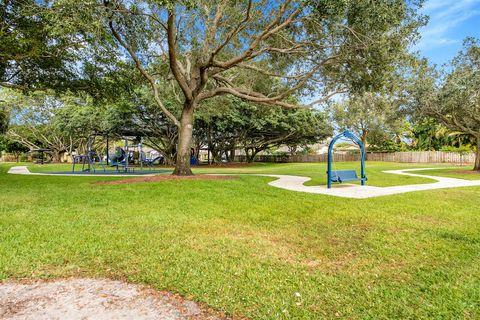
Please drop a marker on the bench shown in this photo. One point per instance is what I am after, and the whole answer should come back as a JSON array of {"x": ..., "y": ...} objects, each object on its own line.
[{"x": 345, "y": 175}]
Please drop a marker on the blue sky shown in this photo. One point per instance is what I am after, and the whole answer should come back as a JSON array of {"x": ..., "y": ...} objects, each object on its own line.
[{"x": 450, "y": 22}]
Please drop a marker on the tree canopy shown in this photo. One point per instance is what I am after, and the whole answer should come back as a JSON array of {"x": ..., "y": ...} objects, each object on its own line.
[
  {"x": 172, "y": 65},
  {"x": 208, "y": 49},
  {"x": 33, "y": 51}
]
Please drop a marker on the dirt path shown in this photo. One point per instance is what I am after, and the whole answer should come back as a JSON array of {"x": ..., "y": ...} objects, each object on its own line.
[{"x": 94, "y": 299}]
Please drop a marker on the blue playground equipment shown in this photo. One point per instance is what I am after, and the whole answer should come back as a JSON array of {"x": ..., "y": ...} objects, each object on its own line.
[
  {"x": 121, "y": 159},
  {"x": 90, "y": 160},
  {"x": 118, "y": 158},
  {"x": 345, "y": 175},
  {"x": 150, "y": 160}
]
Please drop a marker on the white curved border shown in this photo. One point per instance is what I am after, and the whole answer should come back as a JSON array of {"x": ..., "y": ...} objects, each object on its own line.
[{"x": 296, "y": 183}]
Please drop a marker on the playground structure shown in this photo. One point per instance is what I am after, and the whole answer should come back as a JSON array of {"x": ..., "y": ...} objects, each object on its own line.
[
  {"x": 122, "y": 159},
  {"x": 341, "y": 176}
]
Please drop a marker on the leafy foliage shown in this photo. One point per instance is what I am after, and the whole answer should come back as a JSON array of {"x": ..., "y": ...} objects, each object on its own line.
[
  {"x": 376, "y": 119},
  {"x": 33, "y": 52},
  {"x": 253, "y": 128},
  {"x": 4, "y": 120},
  {"x": 12, "y": 146},
  {"x": 429, "y": 134},
  {"x": 454, "y": 102}
]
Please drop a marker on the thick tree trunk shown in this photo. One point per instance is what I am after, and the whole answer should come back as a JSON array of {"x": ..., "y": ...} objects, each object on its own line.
[
  {"x": 364, "y": 141},
  {"x": 56, "y": 156},
  {"x": 251, "y": 156},
  {"x": 215, "y": 156},
  {"x": 182, "y": 165},
  {"x": 293, "y": 150},
  {"x": 477, "y": 158},
  {"x": 247, "y": 155}
]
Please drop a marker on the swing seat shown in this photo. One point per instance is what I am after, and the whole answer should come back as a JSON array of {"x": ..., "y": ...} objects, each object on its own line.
[{"x": 345, "y": 176}]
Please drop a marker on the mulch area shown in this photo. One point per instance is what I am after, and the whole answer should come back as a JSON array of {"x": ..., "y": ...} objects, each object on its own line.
[
  {"x": 167, "y": 178},
  {"x": 225, "y": 165}
]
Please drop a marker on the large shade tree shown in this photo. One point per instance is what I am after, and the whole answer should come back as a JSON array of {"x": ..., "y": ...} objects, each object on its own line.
[
  {"x": 455, "y": 101},
  {"x": 34, "y": 126},
  {"x": 298, "y": 47}
]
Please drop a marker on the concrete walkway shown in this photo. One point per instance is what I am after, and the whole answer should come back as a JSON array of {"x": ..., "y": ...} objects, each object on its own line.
[{"x": 296, "y": 183}]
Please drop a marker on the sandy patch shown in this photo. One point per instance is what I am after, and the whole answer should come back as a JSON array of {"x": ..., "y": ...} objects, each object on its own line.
[{"x": 94, "y": 299}]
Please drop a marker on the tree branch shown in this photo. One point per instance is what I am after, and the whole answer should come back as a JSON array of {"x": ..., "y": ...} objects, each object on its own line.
[
  {"x": 173, "y": 57},
  {"x": 232, "y": 33},
  {"x": 270, "y": 29},
  {"x": 12, "y": 86},
  {"x": 144, "y": 73}
]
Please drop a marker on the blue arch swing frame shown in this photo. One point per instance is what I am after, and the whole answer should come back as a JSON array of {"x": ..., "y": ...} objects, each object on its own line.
[{"x": 351, "y": 173}]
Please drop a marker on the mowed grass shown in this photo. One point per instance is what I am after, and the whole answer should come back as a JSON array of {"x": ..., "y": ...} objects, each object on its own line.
[
  {"x": 251, "y": 250},
  {"x": 317, "y": 172},
  {"x": 461, "y": 172}
]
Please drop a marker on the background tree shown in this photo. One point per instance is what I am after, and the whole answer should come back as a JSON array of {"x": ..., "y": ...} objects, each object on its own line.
[
  {"x": 236, "y": 124},
  {"x": 35, "y": 123},
  {"x": 292, "y": 128},
  {"x": 13, "y": 147},
  {"x": 216, "y": 126},
  {"x": 375, "y": 118},
  {"x": 428, "y": 134},
  {"x": 162, "y": 134},
  {"x": 454, "y": 102}
]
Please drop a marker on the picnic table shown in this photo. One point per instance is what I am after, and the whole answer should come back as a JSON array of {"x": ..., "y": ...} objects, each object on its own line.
[{"x": 39, "y": 155}]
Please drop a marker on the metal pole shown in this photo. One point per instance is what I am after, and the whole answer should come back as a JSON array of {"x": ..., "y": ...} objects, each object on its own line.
[
  {"x": 89, "y": 148},
  {"x": 108, "y": 156},
  {"x": 127, "y": 154},
  {"x": 329, "y": 167},
  {"x": 362, "y": 148},
  {"x": 140, "y": 156}
]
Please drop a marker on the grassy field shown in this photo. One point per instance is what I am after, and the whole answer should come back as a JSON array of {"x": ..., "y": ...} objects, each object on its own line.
[{"x": 250, "y": 250}]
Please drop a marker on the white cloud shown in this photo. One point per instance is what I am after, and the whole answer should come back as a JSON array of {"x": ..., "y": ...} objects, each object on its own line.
[{"x": 444, "y": 16}]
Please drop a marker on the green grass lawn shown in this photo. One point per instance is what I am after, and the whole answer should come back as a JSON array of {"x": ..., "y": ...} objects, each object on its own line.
[
  {"x": 316, "y": 171},
  {"x": 463, "y": 172},
  {"x": 248, "y": 249}
]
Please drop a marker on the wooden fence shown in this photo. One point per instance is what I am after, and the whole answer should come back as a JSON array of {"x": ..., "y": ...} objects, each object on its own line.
[
  {"x": 409, "y": 157},
  {"x": 7, "y": 158}
]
